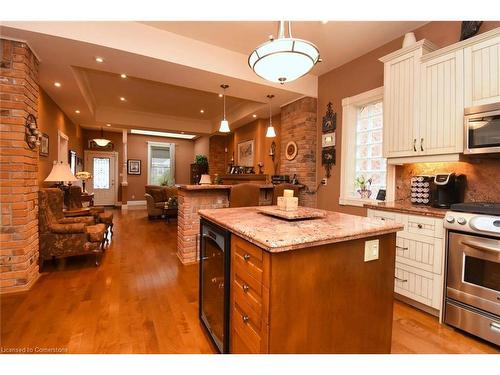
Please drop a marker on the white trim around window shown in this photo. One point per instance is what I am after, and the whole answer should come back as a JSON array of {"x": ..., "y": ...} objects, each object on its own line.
[
  {"x": 171, "y": 146},
  {"x": 350, "y": 108}
]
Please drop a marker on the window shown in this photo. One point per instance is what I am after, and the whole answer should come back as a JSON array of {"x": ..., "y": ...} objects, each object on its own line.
[
  {"x": 161, "y": 163},
  {"x": 362, "y": 141},
  {"x": 101, "y": 173}
]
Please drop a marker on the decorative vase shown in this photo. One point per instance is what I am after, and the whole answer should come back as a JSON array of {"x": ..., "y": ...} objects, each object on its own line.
[
  {"x": 409, "y": 39},
  {"x": 365, "y": 193}
]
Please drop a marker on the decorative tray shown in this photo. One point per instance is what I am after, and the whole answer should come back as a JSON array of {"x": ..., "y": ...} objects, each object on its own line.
[{"x": 300, "y": 214}]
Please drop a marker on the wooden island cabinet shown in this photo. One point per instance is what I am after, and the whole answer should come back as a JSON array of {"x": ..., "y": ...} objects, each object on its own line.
[{"x": 296, "y": 288}]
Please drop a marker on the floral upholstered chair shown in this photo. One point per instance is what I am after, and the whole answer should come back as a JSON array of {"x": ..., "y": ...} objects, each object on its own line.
[{"x": 61, "y": 236}]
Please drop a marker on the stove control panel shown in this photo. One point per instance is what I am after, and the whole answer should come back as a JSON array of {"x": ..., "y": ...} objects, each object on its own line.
[{"x": 473, "y": 223}]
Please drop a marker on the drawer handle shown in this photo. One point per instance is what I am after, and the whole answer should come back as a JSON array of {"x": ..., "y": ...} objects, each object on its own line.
[
  {"x": 245, "y": 319},
  {"x": 415, "y": 144},
  {"x": 400, "y": 279},
  {"x": 246, "y": 257},
  {"x": 421, "y": 144},
  {"x": 382, "y": 218},
  {"x": 245, "y": 288},
  {"x": 495, "y": 327},
  {"x": 420, "y": 226},
  {"x": 401, "y": 248}
]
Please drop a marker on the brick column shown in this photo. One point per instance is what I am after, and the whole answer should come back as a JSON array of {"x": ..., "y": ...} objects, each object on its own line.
[
  {"x": 217, "y": 155},
  {"x": 18, "y": 168},
  {"x": 298, "y": 124}
]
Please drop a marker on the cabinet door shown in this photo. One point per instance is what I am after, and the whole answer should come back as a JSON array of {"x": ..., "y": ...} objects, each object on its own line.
[
  {"x": 482, "y": 77},
  {"x": 400, "y": 105},
  {"x": 441, "y": 105}
]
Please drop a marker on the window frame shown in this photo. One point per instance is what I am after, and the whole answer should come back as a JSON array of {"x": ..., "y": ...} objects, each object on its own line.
[
  {"x": 350, "y": 108},
  {"x": 171, "y": 146}
]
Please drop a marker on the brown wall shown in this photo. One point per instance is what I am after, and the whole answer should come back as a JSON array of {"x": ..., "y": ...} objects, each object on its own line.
[
  {"x": 51, "y": 119},
  {"x": 360, "y": 75},
  {"x": 256, "y": 130},
  {"x": 137, "y": 149}
]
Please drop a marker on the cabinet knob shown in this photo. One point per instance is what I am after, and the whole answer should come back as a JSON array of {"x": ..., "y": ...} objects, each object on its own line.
[
  {"x": 420, "y": 226},
  {"x": 245, "y": 288},
  {"x": 415, "y": 144},
  {"x": 245, "y": 318},
  {"x": 246, "y": 257}
]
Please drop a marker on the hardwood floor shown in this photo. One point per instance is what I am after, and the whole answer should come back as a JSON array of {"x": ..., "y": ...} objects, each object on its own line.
[{"x": 143, "y": 300}]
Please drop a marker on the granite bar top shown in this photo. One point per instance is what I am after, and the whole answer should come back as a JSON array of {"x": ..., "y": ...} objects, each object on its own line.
[
  {"x": 218, "y": 187},
  {"x": 277, "y": 235},
  {"x": 408, "y": 208}
]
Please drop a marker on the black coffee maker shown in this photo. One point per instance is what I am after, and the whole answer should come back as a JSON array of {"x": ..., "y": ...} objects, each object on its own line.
[{"x": 449, "y": 188}]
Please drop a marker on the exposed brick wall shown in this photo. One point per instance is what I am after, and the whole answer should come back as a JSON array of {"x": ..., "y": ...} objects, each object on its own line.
[
  {"x": 298, "y": 124},
  {"x": 188, "y": 220},
  {"x": 217, "y": 155},
  {"x": 18, "y": 168}
]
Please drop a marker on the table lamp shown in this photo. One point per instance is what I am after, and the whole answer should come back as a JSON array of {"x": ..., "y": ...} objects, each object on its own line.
[
  {"x": 205, "y": 179},
  {"x": 60, "y": 174},
  {"x": 84, "y": 176}
]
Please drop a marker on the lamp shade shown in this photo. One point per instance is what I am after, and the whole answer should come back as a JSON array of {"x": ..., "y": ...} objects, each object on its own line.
[
  {"x": 224, "y": 127},
  {"x": 101, "y": 142},
  {"x": 60, "y": 172},
  {"x": 270, "y": 132},
  {"x": 205, "y": 179}
]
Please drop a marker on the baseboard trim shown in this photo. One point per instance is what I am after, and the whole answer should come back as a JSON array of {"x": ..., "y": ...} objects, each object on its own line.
[
  {"x": 418, "y": 305},
  {"x": 136, "y": 203}
]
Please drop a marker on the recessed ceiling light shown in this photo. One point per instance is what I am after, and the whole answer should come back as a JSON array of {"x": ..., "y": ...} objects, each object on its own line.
[
  {"x": 122, "y": 99},
  {"x": 324, "y": 22},
  {"x": 220, "y": 95},
  {"x": 99, "y": 59},
  {"x": 202, "y": 111},
  {"x": 254, "y": 116},
  {"x": 108, "y": 124},
  {"x": 77, "y": 111},
  {"x": 123, "y": 75},
  {"x": 163, "y": 134},
  {"x": 57, "y": 84}
]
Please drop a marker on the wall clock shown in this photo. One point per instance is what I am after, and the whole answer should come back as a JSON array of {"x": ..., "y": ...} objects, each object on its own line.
[{"x": 291, "y": 150}]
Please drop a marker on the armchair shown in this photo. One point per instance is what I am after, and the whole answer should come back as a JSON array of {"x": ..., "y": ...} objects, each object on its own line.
[
  {"x": 61, "y": 236},
  {"x": 156, "y": 198}
]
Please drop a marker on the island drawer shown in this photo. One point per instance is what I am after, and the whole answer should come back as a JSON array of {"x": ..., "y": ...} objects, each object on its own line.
[
  {"x": 247, "y": 336},
  {"x": 250, "y": 260},
  {"x": 247, "y": 290}
]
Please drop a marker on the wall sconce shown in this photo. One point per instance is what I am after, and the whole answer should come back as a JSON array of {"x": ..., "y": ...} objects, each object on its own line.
[
  {"x": 32, "y": 134},
  {"x": 272, "y": 151}
]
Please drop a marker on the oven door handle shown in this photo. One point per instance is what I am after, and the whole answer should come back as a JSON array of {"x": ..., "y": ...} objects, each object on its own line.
[{"x": 480, "y": 246}]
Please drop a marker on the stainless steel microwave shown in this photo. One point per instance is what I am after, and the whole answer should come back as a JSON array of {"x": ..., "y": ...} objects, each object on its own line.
[{"x": 482, "y": 129}]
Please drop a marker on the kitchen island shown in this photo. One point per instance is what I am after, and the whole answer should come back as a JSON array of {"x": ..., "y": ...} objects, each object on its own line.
[{"x": 309, "y": 286}]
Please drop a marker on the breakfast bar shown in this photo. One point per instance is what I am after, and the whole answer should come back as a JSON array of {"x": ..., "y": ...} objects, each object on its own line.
[{"x": 319, "y": 285}]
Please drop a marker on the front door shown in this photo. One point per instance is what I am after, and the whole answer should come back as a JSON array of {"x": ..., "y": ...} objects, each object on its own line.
[{"x": 103, "y": 167}]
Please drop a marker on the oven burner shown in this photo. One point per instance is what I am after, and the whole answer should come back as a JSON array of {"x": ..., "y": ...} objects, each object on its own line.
[{"x": 484, "y": 208}]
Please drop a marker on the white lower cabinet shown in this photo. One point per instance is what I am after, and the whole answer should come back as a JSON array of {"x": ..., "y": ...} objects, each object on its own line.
[{"x": 419, "y": 257}]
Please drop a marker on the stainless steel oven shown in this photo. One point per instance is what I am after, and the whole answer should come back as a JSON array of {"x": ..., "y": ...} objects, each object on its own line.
[
  {"x": 215, "y": 244},
  {"x": 482, "y": 129},
  {"x": 472, "y": 300}
]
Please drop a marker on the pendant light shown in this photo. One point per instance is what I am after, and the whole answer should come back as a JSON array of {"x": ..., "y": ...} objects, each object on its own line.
[
  {"x": 101, "y": 142},
  {"x": 270, "y": 129},
  {"x": 224, "y": 124},
  {"x": 284, "y": 59}
]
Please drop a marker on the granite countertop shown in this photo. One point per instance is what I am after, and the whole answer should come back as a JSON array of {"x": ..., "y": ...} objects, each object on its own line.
[
  {"x": 277, "y": 235},
  {"x": 407, "y": 207},
  {"x": 217, "y": 187}
]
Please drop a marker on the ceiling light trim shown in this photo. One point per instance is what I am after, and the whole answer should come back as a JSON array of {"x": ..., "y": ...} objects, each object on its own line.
[{"x": 162, "y": 134}]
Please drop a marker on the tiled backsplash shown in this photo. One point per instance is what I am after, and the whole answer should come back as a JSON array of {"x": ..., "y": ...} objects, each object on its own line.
[{"x": 483, "y": 177}]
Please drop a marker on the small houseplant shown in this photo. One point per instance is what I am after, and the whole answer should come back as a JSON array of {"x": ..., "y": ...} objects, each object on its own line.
[
  {"x": 201, "y": 160},
  {"x": 363, "y": 185}
]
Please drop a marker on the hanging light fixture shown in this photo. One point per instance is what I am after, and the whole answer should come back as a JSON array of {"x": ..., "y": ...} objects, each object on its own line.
[
  {"x": 283, "y": 59},
  {"x": 224, "y": 124},
  {"x": 101, "y": 142},
  {"x": 270, "y": 129}
]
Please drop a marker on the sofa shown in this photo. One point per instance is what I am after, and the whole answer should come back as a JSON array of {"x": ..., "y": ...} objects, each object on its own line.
[
  {"x": 62, "y": 236},
  {"x": 156, "y": 198}
]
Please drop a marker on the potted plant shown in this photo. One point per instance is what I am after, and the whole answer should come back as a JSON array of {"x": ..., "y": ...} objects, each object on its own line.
[
  {"x": 363, "y": 186},
  {"x": 201, "y": 160}
]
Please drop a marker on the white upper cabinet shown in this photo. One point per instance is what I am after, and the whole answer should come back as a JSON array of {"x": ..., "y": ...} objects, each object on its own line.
[
  {"x": 482, "y": 72},
  {"x": 441, "y": 105},
  {"x": 426, "y": 91},
  {"x": 401, "y": 99}
]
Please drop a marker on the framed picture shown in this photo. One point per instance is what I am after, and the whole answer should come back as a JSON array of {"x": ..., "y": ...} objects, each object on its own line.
[
  {"x": 72, "y": 160},
  {"x": 329, "y": 123},
  {"x": 328, "y": 140},
  {"x": 328, "y": 156},
  {"x": 246, "y": 153},
  {"x": 44, "y": 145},
  {"x": 133, "y": 166}
]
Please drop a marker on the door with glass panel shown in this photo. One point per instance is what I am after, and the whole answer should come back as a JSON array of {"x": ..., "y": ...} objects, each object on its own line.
[{"x": 103, "y": 168}]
